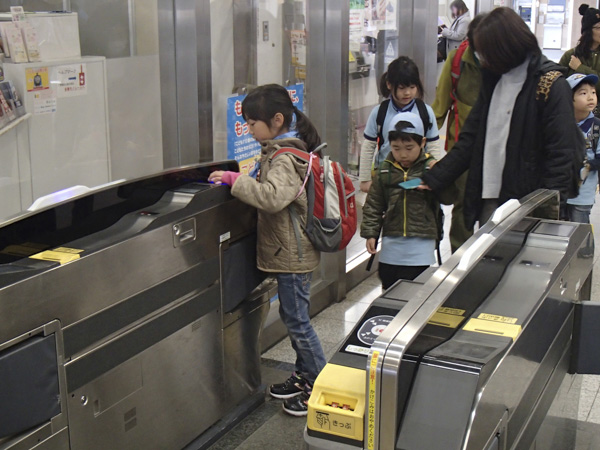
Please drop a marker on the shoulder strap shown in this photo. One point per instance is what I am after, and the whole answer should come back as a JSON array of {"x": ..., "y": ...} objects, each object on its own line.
[
  {"x": 300, "y": 154},
  {"x": 457, "y": 63},
  {"x": 595, "y": 134},
  {"x": 424, "y": 114},
  {"x": 381, "y": 113}
]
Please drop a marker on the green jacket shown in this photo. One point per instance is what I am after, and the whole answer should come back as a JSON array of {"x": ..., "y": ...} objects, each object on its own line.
[
  {"x": 467, "y": 92},
  {"x": 400, "y": 212},
  {"x": 280, "y": 181},
  {"x": 588, "y": 66}
]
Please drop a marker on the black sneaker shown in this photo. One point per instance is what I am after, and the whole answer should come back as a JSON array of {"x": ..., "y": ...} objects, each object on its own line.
[
  {"x": 297, "y": 406},
  {"x": 292, "y": 387}
]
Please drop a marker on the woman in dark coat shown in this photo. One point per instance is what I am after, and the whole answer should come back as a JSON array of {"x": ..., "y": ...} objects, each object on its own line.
[{"x": 521, "y": 134}]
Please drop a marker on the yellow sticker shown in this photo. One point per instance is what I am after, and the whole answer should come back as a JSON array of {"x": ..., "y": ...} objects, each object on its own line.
[
  {"x": 67, "y": 250},
  {"x": 445, "y": 320},
  {"x": 24, "y": 250},
  {"x": 452, "y": 311},
  {"x": 60, "y": 255},
  {"x": 372, "y": 391},
  {"x": 493, "y": 328},
  {"x": 342, "y": 424},
  {"x": 495, "y": 318}
]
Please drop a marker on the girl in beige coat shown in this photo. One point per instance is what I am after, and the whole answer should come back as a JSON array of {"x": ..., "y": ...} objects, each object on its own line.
[{"x": 275, "y": 122}]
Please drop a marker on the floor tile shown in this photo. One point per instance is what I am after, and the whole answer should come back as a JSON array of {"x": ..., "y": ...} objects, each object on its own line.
[
  {"x": 594, "y": 415},
  {"x": 364, "y": 293},
  {"x": 281, "y": 431},
  {"x": 332, "y": 330},
  {"x": 345, "y": 310}
]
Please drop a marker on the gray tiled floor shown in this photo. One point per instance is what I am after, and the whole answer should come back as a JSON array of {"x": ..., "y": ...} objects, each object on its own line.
[{"x": 269, "y": 427}]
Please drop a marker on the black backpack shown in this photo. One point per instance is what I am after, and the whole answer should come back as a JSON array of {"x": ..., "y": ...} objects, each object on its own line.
[{"x": 383, "y": 108}]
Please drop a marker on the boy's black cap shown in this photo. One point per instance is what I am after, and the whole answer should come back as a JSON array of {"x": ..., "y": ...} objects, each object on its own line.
[{"x": 591, "y": 16}]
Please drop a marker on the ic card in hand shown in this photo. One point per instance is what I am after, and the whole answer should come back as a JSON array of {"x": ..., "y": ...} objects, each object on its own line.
[{"x": 411, "y": 184}]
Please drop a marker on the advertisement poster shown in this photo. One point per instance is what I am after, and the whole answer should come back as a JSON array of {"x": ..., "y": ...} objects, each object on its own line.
[
  {"x": 357, "y": 19},
  {"x": 70, "y": 80},
  {"x": 381, "y": 14},
  {"x": 36, "y": 79},
  {"x": 241, "y": 146}
]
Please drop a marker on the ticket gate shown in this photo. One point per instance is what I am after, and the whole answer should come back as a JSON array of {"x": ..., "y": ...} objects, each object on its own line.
[
  {"x": 472, "y": 356},
  {"x": 130, "y": 316}
]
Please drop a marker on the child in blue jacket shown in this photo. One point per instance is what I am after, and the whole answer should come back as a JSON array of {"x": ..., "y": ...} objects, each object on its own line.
[{"x": 584, "y": 103}]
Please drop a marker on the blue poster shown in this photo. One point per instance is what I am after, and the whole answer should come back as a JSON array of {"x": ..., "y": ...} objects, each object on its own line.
[{"x": 241, "y": 146}]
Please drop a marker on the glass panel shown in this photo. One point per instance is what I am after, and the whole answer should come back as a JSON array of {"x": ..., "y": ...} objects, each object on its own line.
[
  {"x": 373, "y": 45},
  {"x": 269, "y": 45}
]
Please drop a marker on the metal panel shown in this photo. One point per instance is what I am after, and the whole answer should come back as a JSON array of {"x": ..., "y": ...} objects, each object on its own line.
[
  {"x": 425, "y": 44},
  {"x": 159, "y": 402},
  {"x": 244, "y": 42},
  {"x": 203, "y": 151},
  {"x": 168, "y": 82},
  {"x": 187, "y": 81}
]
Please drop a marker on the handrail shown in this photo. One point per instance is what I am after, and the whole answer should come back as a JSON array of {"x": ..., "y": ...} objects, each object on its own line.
[{"x": 385, "y": 356}]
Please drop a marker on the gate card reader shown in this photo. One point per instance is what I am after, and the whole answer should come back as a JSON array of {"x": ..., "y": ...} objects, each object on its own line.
[{"x": 507, "y": 313}]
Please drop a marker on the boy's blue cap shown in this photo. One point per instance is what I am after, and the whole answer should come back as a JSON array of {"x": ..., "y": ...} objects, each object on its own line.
[
  {"x": 413, "y": 119},
  {"x": 578, "y": 78}
]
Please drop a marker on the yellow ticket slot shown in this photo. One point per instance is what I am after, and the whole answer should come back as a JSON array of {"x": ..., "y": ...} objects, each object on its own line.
[
  {"x": 60, "y": 255},
  {"x": 337, "y": 403},
  {"x": 494, "y": 328}
]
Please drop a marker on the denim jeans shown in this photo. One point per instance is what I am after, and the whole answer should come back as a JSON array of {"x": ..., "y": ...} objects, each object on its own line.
[
  {"x": 581, "y": 214},
  {"x": 294, "y": 303}
]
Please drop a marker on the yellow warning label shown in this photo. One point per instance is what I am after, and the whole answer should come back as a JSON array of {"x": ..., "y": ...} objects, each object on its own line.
[
  {"x": 24, "y": 250},
  {"x": 351, "y": 58},
  {"x": 372, "y": 391},
  {"x": 446, "y": 320},
  {"x": 67, "y": 250},
  {"x": 495, "y": 318},
  {"x": 452, "y": 311},
  {"x": 493, "y": 328},
  {"x": 61, "y": 255}
]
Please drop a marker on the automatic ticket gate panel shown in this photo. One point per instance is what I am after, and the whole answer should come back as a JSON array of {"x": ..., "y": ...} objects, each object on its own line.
[
  {"x": 132, "y": 286},
  {"x": 484, "y": 361}
]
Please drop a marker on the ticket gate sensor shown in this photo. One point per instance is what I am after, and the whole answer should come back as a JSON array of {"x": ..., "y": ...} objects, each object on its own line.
[{"x": 474, "y": 355}]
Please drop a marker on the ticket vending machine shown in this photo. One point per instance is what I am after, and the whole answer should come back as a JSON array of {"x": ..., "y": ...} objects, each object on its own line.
[{"x": 471, "y": 355}]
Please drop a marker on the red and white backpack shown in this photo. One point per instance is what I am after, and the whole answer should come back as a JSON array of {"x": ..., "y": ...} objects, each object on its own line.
[{"x": 331, "y": 222}]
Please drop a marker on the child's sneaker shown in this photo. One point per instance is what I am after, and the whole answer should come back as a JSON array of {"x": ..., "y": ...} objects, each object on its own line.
[
  {"x": 292, "y": 387},
  {"x": 298, "y": 406}
]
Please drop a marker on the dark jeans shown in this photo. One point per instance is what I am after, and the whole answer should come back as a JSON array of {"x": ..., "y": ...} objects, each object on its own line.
[
  {"x": 294, "y": 304},
  {"x": 581, "y": 214},
  {"x": 390, "y": 273}
]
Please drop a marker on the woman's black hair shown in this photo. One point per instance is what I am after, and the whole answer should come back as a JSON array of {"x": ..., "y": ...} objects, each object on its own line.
[
  {"x": 583, "y": 50},
  {"x": 472, "y": 27},
  {"x": 517, "y": 42},
  {"x": 264, "y": 102},
  {"x": 401, "y": 72},
  {"x": 398, "y": 133},
  {"x": 461, "y": 7}
]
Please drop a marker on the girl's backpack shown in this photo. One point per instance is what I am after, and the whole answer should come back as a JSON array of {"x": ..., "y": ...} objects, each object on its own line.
[{"x": 331, "y": 218}]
